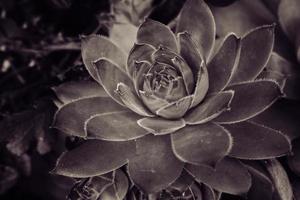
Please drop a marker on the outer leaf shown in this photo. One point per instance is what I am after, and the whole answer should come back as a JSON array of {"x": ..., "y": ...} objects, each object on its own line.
[
  {"x": 202, "y": 85},
  {"x": 262, "y": 187},
  {"x": 139, "y": 52},
  {"x": 176, "y": 109},
  {"x": 155, "y": 166},
  {"x": 72, "y": 90},
  {"x": 224, "y": 63},
  {"x": 294, "y": 159},
  {"x": 202, "y": 28},
  {"x": 109, "y": 75},
  {"x": 118, "y": 190},
  {"x": 131, "y": 100},
  {"x": 280, "y": 179},
  {"x": 201, "y": 144},
  {"x": 284, "y": 116},
  {"x": 241, "y": 16},
  {"x": 189, "y": 51},
  {"x": 256, "y": 48},
  {"x": 93, "y": 158},
  {"x": 255, "y": 141},
  {"x": 156, "y": 34},
  {"x": 230, "y": 176},
  {"x": 250, "y": 99},
  {"x": 71, "y": 117},
  {"x": 114, "y": 126},
  {"x": 160, "y": 126},
  {"x": 212, "y": 106},
  {"x": 95, "y": 47}
]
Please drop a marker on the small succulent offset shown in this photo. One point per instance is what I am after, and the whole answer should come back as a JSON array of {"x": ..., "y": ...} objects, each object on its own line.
[{"x": 178, "y": 105}]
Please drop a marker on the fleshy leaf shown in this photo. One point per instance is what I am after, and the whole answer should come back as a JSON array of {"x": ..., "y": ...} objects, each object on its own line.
[
  {"x": 139, "y": 52},
  {"x": 156, "y": 34},
  {"x": 280, "y": 179},
  {"x": 131, "y": 100},
  {"x": 250, "y": 99},
  {"x": 95, "y": 47},
  {"x": 93, "y": 158},
  {"x": 152, "y": 102},
  {"x": 202, "y": 85},
  {"x": 229, "y": 176},
  {"x": 284, "y": 116},
  {"x": 176, "y": 109},
  {"x": 72, "y": 90},
  {"x": 118, "y": 189},
  {"x": 262, "y": 187},
  {"x": 255, "y": 141},
  {"x": 223, "y": 64},
  {"x": 197, "y": 19},
  {"x": 294, "y": 159},
  {"x": 212, "y": 106},
  {"x": 139, "y": 75},
  {"x": 114, "y": 126},
  {"x": 189, "y": 51},
  {"x": 209, "y": 143},
  {"x": 109, "y": 75},
  {"x": 241, "y": 16},
  {"x": 71, "y": 117},
  {"x": 256, "y": 48},
  {"x": 160, "y": 126},
  {"x": 155, "y": 166}
]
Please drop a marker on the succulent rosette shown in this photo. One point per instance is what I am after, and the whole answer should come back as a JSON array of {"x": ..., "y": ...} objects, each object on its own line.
[{"x": 179, "y": 102}]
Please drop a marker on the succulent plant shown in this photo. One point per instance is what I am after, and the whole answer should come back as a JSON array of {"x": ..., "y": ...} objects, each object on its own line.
[{"x": 179, "y": 105}]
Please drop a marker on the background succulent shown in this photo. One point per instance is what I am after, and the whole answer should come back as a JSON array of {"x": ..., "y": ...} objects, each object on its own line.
[{"x": 204, "y": 132}]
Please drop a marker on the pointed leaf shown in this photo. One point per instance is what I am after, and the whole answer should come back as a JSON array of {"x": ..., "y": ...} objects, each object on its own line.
[
  {"x": 155, "y": 166},
  {"x": 255, "y": 141},
  {"x": 95, "y": 47},
  {"x": 131, "y": 100},
  {"x": 190, "y": 52},
  {"x": 72, "y": 90},
  {"x": 71, "y": 117},
  {"x": 212, "y": 106},
  {"x": 176, "y": 109},
  {"x": 94, "y": 158},
  {"x": 202, "y": 85},
  {"x": 152, "y": 102},
  {"x": 284, "y": 116},
  {"x": 201, "y": 144},
  {"x": 114, "y": 126},
  {"x": 160, "y": 126},
  {"x": 156, "y": 34},
  {"x": 139, "y": 52},
  {"x": 230, "y": 176},
  {"x": 109, "y": 75},
  {"x": 223, "y": 64},
  {"x": 139, "y": 75},
  {"x": 250, "y": 99},
  {"x": 202, "y": 28},
  {"x": 256, "y": 48}
]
